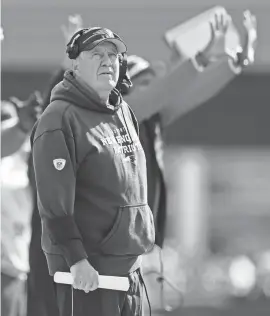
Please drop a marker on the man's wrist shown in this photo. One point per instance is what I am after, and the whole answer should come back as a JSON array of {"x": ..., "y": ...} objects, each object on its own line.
[
  {"x": 200, "y": 61},
  {"x": 242, "y": 60},
  {"x": 239, "y": 59},
  {"x": 234, "y": 67},
  {"x": 78, "y": 262},
  {"x": 252, "y": 36}
]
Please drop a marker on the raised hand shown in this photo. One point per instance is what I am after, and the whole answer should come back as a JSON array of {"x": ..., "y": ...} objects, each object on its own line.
[
  {"x": 250, "y": 24},
  {"x": 216, "y": 47},
  {"x": 75, "y": 23},
  {"x": 28, "y": 111},
  {"x": 250, "y": 42}
]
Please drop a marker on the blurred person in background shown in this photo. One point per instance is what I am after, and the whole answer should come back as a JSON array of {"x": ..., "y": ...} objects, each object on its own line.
[
  {"x": 215, "y": 77},
  {"x": 17, "y": 119},
  {"x": 16, "y": 208}
]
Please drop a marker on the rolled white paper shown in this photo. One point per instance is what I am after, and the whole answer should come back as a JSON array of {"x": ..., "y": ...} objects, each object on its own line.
[{"x": 105, "y": 281}]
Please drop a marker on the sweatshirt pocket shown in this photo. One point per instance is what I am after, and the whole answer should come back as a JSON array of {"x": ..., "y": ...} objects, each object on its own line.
[{"x": 132, "y": 233}]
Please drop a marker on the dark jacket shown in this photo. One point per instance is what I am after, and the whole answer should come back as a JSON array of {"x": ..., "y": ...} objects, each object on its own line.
[
  {"x": 90, "y": 173},
  {"x": 152, "y": 143}
]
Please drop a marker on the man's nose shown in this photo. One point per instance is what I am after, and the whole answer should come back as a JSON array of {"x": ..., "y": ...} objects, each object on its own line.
[{"x": 106, "y": 61}]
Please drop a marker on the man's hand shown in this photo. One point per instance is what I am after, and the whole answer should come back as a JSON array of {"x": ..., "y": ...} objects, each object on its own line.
[
  {"x": 75, "y": 23},
  {"x": 216, "y": 48},
  {"x": 27, "y": 111},
  {"x": 85, "y": 276},
  {"x": 250, "y": 42},
  {"x": 246, "y": 54}
]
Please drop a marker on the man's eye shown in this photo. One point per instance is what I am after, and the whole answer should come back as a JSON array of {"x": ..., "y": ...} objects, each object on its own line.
[
  {"x": 145, "y": 82},
  {"x": 96, "y": 55},
  {"x": 113, "y": 55}
]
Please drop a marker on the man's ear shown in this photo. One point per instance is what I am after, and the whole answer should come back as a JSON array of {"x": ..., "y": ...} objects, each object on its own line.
[{"x": 159, "y": 67}]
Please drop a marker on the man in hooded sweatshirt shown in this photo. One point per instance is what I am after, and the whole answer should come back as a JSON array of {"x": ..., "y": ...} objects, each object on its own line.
[{"x": 90, "y": 174}]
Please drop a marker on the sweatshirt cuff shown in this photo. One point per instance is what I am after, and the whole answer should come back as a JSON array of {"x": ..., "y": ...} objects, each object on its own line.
[
  {"x": 234, "y": 67},
  {"x": 74, "y": 251},
  {"x": 199, "y": 62}
]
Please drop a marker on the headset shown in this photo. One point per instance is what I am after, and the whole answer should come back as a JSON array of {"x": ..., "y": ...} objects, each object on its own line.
[{"x": 73, "y": 52}]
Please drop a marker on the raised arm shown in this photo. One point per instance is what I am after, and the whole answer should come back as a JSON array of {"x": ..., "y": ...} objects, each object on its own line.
[
  {"x": 16, "y": 128},
  {"x": 216, "y": 76},
  {"x": 12, "y": 137}
]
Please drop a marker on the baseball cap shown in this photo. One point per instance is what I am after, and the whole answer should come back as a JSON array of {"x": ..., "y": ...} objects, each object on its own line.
[
  {"x": 136, "y": 65},
  {"x": 87, "y": 39}
]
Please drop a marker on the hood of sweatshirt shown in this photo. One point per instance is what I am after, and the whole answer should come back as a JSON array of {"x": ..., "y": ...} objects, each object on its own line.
[{"x": 72, "y": 91}]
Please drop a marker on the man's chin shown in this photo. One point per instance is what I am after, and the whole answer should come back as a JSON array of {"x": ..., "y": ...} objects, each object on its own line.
[{"x": 110, "y": 84}]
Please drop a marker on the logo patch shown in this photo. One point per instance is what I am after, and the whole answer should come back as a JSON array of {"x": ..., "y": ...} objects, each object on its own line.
[{"x": 59, "y": 163}]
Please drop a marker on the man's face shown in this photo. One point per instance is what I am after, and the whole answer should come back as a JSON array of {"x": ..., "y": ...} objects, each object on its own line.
[{"x": 99, "y": 67}]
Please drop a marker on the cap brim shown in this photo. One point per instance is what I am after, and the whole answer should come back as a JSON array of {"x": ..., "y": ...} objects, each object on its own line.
[{"x": 121, "y": 47}]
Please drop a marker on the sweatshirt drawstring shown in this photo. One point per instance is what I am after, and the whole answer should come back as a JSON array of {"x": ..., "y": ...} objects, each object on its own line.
[
  {"x": 146, "y": 293},
  {"x": 72, "y": 301}
]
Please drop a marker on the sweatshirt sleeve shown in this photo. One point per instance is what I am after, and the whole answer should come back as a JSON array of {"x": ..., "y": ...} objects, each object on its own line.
[
  {"x": 55, "y": 173},
  {"x": 163, "y": 91},
  {"x": 206, "y": 85}
]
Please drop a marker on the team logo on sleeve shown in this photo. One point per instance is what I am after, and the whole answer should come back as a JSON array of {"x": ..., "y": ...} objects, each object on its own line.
[{"x": 59, "y": 163}]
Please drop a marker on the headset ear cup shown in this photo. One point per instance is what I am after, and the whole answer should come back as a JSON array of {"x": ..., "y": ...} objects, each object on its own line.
[
  {"x": 72, "y": 47},
  {"x": 73, "y": 51},
  {"x": 123, "y": 66},
  {"x": 124, "y": 82},
  {"x": 69, "y": 51}
]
